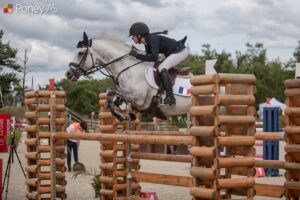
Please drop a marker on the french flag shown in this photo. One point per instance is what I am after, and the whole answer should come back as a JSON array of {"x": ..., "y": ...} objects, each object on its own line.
[{"x": 184, "y": 91}]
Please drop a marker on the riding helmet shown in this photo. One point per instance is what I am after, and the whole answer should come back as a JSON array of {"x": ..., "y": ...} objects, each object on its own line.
[{"x": 139, "y": 28}]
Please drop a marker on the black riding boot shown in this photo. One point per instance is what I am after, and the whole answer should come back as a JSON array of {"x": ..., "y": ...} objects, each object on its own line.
[{"x": 166, "y": 80}]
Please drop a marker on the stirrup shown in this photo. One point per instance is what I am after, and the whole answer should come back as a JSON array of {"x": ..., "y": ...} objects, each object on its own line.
[{"x": 161, "y": 105}]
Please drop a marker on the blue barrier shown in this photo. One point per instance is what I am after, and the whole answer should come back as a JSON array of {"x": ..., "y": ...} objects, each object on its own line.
[{"x": 271, "y": 148}]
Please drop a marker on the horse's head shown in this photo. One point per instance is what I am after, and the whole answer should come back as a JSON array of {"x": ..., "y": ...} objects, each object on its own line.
[{"x": 84, "y": 59}]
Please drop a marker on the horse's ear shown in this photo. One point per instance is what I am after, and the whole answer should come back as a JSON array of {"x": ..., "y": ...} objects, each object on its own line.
[
  {"x": 85, "y": 38},
  {"x": 85, "y": 42}
]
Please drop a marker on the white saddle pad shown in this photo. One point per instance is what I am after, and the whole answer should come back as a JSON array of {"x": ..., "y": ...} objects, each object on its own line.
[{"x": 181, "y": 87}]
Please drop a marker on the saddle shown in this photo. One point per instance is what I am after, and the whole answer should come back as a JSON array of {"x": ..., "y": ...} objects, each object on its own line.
[
  {"x": 154, "y": 108},
  {"x": 174, "y": 72}
]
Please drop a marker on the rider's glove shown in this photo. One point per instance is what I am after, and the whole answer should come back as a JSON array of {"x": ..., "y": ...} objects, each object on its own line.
[{"x": 133, "y": 52}]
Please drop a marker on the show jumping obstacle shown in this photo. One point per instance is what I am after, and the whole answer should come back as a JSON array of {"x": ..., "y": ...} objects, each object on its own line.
[
  {"x": 220, "y": 121},
  {"x": 40, "y": 126},
  {"x": 113, "y": 163},
  {"x": 232, "y": 129},
  {"x": 292, "y": 130}
]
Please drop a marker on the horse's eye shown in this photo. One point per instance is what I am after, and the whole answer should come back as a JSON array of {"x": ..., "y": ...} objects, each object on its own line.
[{"x": 80, "y": 53}]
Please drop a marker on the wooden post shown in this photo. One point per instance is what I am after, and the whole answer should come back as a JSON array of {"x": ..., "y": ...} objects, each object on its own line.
[
  {"x": 52, "y": 102},
  {"x": 107, "y": 125},
  {"x": 31, "y": 107},
  {"x": 232, "y": 113},
  {"x": 39, "y": 181},
  {"x": 292, "y": 148},
  {"x": 204, "y": 149}
]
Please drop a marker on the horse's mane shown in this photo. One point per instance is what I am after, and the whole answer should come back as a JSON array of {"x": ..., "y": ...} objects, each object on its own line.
[
  {"x": 114, "y": 43},
  {"x": 112, "y": 37}
]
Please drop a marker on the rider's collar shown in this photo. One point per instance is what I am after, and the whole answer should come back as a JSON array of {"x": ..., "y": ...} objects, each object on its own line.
[{"x": 147, "y": 39}]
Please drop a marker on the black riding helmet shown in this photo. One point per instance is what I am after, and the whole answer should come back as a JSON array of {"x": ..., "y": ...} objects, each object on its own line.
[{"x": 138, "y": 28}]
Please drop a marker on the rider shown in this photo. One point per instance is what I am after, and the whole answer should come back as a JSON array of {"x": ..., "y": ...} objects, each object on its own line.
[{"x": 174, "y": 51}]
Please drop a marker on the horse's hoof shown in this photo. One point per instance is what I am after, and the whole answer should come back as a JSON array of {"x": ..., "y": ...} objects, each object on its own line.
[
  {"x": 132, "y": 116},
  {"x": 108, "y": 103},
  {"x": 118, "y": 101}
]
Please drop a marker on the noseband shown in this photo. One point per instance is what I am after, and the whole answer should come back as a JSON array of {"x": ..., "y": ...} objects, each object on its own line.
[{"x": 77, "y": 68}]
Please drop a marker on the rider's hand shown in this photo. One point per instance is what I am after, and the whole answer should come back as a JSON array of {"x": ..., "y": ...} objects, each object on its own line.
[{"x": 133, "y": 52}]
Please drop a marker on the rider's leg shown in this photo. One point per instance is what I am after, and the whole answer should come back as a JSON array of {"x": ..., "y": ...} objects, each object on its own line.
[
  {"x": 173, "y": 59},
  {"x": 169, "y": 62},
  {"x": 165, "y": 77}
]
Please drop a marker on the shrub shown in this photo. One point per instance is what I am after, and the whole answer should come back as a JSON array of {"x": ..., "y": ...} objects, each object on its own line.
[
  {"x": 18, "y": 136},
  {"x": 14, "y": 111},
  {"x": 96, "y": 185}
]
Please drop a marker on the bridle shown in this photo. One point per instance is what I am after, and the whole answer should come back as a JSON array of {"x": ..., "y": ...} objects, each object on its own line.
[{"x": 77, "y": 68}]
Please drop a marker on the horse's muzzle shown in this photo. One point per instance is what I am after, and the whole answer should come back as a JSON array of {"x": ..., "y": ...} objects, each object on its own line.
[
  {"x": 71, "y": 75},
  {"x": 74, "y": 72}
]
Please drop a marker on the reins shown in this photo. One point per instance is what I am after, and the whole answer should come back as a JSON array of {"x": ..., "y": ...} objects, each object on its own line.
[
  {"x": 77, "y": 70},
  {"x": 99, "y": 67}
]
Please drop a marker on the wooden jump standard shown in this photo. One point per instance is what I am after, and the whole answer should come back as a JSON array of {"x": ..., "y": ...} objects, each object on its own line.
[
  {"x": 223, "y": 121},
  {"x": 292, "y": 130},
  {"x": 116, "y": 168},
  {"x": 39, "y": 175},
  {"x": 212, "y": 130}
]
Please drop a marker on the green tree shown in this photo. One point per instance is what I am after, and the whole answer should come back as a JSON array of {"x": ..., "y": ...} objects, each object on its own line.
[
  {"x": 224, "y": 63},
  {"x": 270, "y": 75},
  {"x": 8, "y": 70},
  {"x": 83, "y": 95},
  {"x": 195, "y": 63},
  {"x": 253, "y": 61},
  {"x": 296, "y": 53},
  {"x": 292, "y": 62},
  {"x": 208, "y": 53},
  {"x": 254, "y": 56}
]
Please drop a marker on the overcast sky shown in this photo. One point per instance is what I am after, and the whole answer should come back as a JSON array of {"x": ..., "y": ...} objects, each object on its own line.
[{"x": 224, "y": 24}]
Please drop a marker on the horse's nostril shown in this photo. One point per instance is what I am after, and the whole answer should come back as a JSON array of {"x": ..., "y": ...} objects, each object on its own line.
[{"x": 69, "y": 75}]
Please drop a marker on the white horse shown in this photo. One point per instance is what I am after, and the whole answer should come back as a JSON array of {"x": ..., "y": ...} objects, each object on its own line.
[{"x": 110, "y": 54}]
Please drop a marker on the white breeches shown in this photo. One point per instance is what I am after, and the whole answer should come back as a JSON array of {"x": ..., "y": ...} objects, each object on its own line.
[{"x": 173, "y": 59}]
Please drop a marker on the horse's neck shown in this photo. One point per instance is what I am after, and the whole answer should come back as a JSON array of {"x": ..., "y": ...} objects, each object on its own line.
[
  {"x": 125, "y": 70},
  {"x": 118, "y": 69},
  {"x": 108, "y": 51}
]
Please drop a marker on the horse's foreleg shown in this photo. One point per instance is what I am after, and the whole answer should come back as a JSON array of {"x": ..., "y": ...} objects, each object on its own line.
[
  {"x": 116, "y": 91},
  {"x": 125, "y": 94},
  {"x": 110, "y": 92}
]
